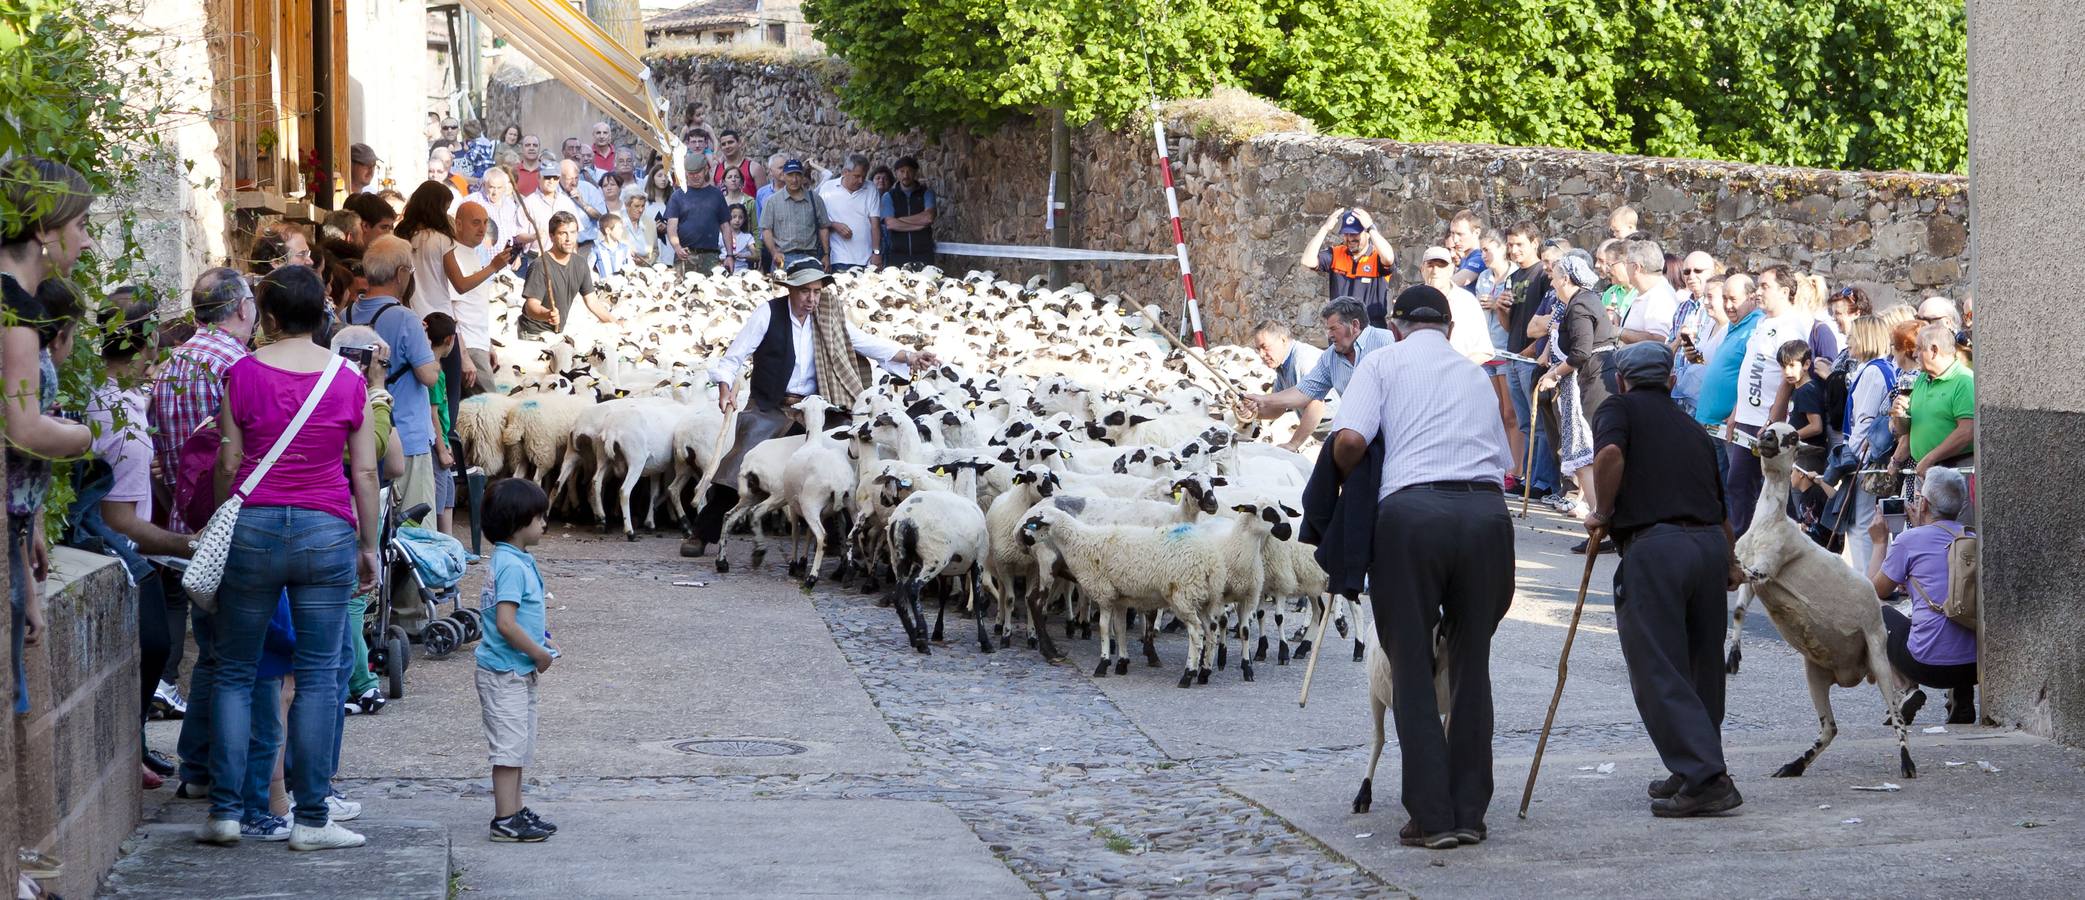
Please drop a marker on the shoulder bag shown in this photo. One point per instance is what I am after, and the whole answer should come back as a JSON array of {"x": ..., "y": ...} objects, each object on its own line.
[{"x": 213, "y": 545}]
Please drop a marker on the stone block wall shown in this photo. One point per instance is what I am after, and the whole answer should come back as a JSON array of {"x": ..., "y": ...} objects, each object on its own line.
[
  {"x": 74, "y": 765},
  {"x": 1250, "y": 206}
]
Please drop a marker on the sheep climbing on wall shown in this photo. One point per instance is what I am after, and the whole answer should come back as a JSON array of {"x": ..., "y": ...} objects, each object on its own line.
[{"x": 1821, "y": 606}]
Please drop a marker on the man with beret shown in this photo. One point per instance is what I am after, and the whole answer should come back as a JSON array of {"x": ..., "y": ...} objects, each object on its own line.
[
  {"x": 1442, "y": 555},
  {"x": 1657, "y": 489}
]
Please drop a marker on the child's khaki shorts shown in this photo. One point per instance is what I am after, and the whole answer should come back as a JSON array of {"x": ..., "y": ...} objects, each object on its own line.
[{"x": 509, "y": 702}]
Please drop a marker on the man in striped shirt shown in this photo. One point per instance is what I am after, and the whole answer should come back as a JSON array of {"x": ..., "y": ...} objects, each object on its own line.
[
  {"x": 191, "y": 386},
  {"x": 187, "y": 392}
]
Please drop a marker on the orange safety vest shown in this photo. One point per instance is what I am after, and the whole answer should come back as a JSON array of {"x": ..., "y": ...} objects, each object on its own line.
[{"x": 1345, "y": 264}]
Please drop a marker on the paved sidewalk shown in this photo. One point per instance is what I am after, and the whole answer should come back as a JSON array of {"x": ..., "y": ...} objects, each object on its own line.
[{"x": 884, "y": 773}]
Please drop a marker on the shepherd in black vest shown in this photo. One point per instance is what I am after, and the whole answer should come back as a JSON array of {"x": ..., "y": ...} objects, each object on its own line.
[{"x": 798, "y": 346}]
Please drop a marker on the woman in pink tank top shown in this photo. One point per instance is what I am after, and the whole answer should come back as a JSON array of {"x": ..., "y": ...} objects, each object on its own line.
[{"x": 307, "y": 530}]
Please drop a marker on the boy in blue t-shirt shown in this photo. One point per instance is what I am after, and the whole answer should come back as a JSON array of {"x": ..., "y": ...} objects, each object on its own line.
[{"x": 515, "y": 650}]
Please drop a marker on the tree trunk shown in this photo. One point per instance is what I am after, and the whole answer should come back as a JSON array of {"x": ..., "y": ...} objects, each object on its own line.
[{"x": 621, "y": 19}]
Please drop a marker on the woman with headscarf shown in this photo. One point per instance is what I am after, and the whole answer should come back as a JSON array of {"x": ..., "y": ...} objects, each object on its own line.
[{"x": 1582, "y": 338}]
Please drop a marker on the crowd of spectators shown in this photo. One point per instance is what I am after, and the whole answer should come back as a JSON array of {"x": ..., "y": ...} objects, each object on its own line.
[{"x": 1881, "y": 398}]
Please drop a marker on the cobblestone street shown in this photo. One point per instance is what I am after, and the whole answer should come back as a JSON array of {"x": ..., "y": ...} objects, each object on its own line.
[{"x": 742, "y": 738}]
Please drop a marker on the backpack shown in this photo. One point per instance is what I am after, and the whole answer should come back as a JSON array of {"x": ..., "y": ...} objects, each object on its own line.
[
  {"x": 397, "y": 370},
  {"x": 195, "y": 485},
  {"x": 1962, "y": 572}
]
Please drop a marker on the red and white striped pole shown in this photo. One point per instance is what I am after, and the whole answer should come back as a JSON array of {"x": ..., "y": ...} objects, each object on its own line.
[{"x": 1187, "y": 274}]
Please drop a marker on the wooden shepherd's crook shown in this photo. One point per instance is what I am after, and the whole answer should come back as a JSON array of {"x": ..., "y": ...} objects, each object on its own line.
[
  {"x": 1592, "y": 553},
  {"x": 1527, "y": 450},
  {"x": 1316, "y": 650},
  {"x": 1223, "y": 382}
]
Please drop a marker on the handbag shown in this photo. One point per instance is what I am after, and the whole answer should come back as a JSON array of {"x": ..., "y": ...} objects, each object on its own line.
[{"x": 213, "y": 545}]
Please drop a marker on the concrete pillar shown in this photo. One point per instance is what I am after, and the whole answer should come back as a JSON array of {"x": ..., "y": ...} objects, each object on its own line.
[{"x": 2026, "y": 209}]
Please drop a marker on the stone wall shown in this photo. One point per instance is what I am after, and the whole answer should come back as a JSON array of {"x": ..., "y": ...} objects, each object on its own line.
[
  {"x": 1250, "y": 206},
  {"x": 2029, "y": 207},
  {"x": 74, "y": 764}
]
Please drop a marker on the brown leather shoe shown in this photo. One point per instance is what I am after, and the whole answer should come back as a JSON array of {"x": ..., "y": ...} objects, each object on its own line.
[{"x": 1718, "y": 796}]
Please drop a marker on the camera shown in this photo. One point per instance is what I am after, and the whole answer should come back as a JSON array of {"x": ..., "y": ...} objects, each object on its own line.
[
  {"x": 358, "y": 355},
  {"x": 1891, "y": 506}
]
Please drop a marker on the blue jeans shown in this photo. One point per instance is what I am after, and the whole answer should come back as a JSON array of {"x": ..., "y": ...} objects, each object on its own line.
[
  {"x": 1520, "y": 378},
  {"x": 194, "y": 747},
  {"x": 266, "y": 738},
  {"x": 312, "y": 555}
]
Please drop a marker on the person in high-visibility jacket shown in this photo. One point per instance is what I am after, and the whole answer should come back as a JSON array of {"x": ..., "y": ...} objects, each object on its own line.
[{"x": 1360, "y": 266}]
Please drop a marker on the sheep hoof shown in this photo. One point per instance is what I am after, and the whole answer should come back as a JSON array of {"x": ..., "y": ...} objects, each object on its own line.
[
  {"x": 1245, "y": 670},
  {"x": 601, "y": 528},
  {"x": 999, "y": 630},
  {"x": 1341, "y": 624},
  {"x": 1794, "y": 769},
  {"x": 1187, "y": 678},
  {"x": 1909, "y": 768},
  {"x": 1101, "y": 671},
  {"x": 810, "y": 583},
  {"x": 938, "y": 638},
  {"x": 1358, "y": 648},
  {"x": 723, "y": 565},
  {"x": 1031, "y": 642},
  {"x": 870, "y": 586},
  {"x": 1122, "y": 667},
  {"x": 630, "y": 536},
  {"x": 759, "y": 554},
  {"x": 1223, "y": 655},
  {"x": 1365, "y": 797},
  {"x": 1202, "y": 677},
  {"x": 1730, "y": 663},
  {"x": 984, "y": 644},
  {"x": 1302, "y": 649},
  {"x": 1260, "y": 653},
  {"x": 1086, "y": 631},
  {"x": 1282, "y": 658}
]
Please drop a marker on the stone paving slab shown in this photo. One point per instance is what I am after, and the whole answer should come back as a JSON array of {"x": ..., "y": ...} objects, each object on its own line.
[
  {"x": 648, "y": 664},
  {"x": 405, "y": 859},
  {"x": 1954, "y": 831},
  {"x": 781, "y": 848}
]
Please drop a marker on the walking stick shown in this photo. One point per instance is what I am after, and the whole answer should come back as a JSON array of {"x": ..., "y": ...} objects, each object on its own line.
[
  {"x": 1592, "y": 553},
  {"x": 1223, "y": 382},
  {"x": 1311, "y": 668},
  {"x": 1527, "y": 484}
]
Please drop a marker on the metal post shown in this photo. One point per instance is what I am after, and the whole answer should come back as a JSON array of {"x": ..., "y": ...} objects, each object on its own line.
[
  {"x": 1060, "y": 188},
  {"x": 1187, "y": 275}
]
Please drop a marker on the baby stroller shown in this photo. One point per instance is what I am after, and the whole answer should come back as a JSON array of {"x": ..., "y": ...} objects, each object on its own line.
[{"x": 432, "y": 563}]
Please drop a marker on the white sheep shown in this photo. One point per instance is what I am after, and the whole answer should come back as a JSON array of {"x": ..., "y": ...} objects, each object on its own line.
[
  {"x": 1175, "y": 568},
  {"x": 817, "y": 480},
  {"x": 935, "y": 535}
]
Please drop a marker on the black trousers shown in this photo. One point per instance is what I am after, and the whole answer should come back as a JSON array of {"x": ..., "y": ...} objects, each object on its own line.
[
  {"x": 709, "y": 523},
  {"x": 1442, "y": 557},
  {"x": 1669, "y": 611},
  {"x": 153, "y": 639},
  {"x": 1951, "y": 678}
]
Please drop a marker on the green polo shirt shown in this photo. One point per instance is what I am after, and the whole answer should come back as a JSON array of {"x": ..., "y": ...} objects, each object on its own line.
[{"x": 1937, "y": 404}]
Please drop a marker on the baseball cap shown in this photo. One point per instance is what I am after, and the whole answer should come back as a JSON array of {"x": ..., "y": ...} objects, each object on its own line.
[
  {"x": 362, "y": 155},
  {"x": 1644, "y": 363},
  {"x": 1350, "y": 224},
  {"x": 1437, "y": 254},
  {"x": 1420, "y": 303},
  {"x": 793, "y": 167}
]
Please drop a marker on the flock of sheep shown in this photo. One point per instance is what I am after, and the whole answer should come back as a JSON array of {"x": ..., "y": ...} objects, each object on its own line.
[{"x": 1065, "y": 460}]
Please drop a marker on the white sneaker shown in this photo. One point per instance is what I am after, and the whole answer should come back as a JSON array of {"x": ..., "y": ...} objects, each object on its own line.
[
  {"x": 329, "y": 836},
  {"x": 223, "y": 832},
  {"x": 338, "y": 808}
]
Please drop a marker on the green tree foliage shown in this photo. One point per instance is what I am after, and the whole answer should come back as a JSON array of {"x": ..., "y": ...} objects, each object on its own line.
[
  {"x": 960, "y": 63},
  {"x": 1835, "y": 83},
  {"x": 82, "y": 83}
]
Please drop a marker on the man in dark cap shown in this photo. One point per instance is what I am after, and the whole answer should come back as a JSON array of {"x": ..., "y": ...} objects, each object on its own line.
[
  {"x": 1658, "y": 491},
  {"x": 1443, "y": 556}
]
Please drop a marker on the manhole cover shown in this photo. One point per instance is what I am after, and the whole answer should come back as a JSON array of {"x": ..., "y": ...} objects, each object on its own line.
[{"x": 740, "y": 748}]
